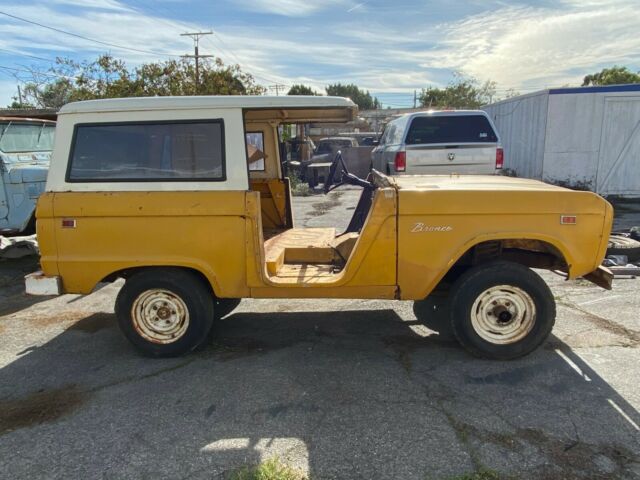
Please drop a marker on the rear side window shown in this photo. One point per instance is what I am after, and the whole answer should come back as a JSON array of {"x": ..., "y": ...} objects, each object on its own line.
[
  {"x": 451, "y": 130},
  {"x": 148, "y": 151}
]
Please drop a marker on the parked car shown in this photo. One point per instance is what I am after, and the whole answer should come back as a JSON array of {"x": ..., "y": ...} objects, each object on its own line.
[
  {"x": 318, "y": 167},
  {"x": 365, "y": 139},
  {"x": 157, "y": 191},
  {"x": 331, "y": 145},
  {"x": 439, "y": 142},
  {"x": 25, "y": 149}
]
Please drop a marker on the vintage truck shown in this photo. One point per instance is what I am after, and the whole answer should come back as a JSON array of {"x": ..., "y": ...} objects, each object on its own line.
[
  {"x": 157, "y": 191},
  {"x": 25, "y": 148}
]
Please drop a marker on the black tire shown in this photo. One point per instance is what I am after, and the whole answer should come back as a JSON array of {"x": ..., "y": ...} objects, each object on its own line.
[
  {"x": 173, "y": 288},
  {"x": 532, "y": 324},
  {"x": 224, "y": 306},
  {"x": 621, "y": 245}
]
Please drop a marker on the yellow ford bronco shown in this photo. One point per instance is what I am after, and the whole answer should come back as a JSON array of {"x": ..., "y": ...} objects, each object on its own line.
[{"x": 186, "y": 199}]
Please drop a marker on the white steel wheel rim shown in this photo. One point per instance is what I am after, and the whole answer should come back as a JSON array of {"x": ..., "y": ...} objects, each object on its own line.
[
  {"x": 160, "y": 316},
  {"x": 503, "y": 314}
]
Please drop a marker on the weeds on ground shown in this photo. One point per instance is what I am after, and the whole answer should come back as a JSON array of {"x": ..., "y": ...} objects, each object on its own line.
[
  {"x": 298, "y": 187},
  {"x": 272, "y": 469},
  {"x": 482, "y": 474}
]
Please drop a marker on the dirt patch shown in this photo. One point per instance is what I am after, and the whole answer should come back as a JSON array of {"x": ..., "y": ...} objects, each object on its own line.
[
  {"x": 232, "y": 348},
  {"x": 64, "y": 318},
  {"x": 405, "y": 345},
  {"x": 40, "y": 407},
  {"x": 95, "y": 323},
  {"x": 632, "y": 336},
  {"x": 570, "y": 458},
  {"x": 320, "y": 208}
]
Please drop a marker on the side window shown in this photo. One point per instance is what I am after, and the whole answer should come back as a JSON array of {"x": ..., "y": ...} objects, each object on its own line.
[
  {"x": 255, "y": 151},
  {"x": 148, "y": 151},
  {"x": 398, "y": 134}
]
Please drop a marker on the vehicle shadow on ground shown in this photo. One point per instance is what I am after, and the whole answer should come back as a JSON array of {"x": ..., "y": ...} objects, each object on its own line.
[
  {"x": 12, "y": 272},
  {"x": 343, "y": 394}
]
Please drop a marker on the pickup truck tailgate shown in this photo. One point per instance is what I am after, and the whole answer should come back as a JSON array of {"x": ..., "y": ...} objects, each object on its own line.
[{"x": 463, "y": 158}]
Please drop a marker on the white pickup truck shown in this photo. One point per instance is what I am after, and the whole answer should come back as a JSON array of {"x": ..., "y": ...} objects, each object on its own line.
[{"x": 439, "y": 142}]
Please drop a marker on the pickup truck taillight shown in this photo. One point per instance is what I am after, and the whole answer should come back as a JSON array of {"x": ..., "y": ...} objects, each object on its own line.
[
  {"x": 499, "y": 158},
  {"x": 400, "y": 162}
]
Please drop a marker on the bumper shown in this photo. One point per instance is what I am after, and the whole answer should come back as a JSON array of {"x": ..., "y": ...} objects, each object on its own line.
[
  {"x": 38, "y": 283},
  {"x": 602, "y": 276}
]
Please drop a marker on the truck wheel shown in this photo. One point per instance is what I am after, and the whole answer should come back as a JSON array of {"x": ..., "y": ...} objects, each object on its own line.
[
  {"x": 224, "y": 306},
  {"x": 501, "y": 310},
  {"x": 165, "y": 312}
]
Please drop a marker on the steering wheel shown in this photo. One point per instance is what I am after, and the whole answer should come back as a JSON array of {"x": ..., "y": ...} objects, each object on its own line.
[{"x": 347, "y": 177}]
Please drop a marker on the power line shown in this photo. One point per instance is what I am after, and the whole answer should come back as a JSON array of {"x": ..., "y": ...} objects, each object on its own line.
[
  {"x": 196, "y": 55},
  {"x": 238, "y": 61},
  {"x": 53, "y": 75},
  {"x": 26, "y": 55},
  {"x": 277, "y": 88},
  {"x": 108, "y": 44}
]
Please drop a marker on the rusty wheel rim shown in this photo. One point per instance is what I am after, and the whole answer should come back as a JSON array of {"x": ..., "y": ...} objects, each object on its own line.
[
  {"x": 503, "y": 314},
  {"x": 160, "y": 316}
]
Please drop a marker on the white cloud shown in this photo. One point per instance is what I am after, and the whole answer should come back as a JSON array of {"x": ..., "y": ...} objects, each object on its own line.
[
  {"x": 289, "y": 8},
  {"x": 100, "y": 4},
  {"x": 520, "y": 46}
]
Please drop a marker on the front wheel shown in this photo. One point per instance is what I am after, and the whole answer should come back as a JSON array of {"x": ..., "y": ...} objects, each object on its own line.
[
  {"x": 501, "y": 310},
  {"x": 165, "y": 312}
]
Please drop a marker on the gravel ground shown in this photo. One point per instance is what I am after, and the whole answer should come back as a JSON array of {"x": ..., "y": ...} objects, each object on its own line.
[{"x": 337, "y": 389}]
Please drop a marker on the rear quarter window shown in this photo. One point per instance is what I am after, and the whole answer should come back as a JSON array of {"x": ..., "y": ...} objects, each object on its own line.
[
  {"x": 451, "y": 130},
  {"x": 148, "y": 151}
]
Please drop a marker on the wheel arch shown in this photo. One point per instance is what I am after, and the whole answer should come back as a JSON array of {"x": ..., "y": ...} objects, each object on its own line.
[
  {"x": 534, "y": 251},
  {"x": 127, "y": 272}
]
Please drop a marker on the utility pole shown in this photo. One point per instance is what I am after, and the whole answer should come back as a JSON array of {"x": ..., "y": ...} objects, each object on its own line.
[
  {"x": 19, "y": 95},
  {"x": 277, "y": 88},
  {"x": 415, "y": 98},
  {"x": 196, "y": 40}
]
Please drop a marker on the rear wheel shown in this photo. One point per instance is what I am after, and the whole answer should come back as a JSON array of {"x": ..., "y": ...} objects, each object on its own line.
[
  {"x": 165, "y": 312},
  {"x": 501, "y": 310}
]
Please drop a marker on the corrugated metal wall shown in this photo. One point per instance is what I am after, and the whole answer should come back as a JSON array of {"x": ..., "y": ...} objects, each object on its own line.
[
  {"x": 585, "y": 138},
  {"x": 521, "y": 122}
]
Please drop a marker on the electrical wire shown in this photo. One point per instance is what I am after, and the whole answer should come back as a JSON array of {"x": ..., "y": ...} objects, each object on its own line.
[{"x": 89, "y": 39}]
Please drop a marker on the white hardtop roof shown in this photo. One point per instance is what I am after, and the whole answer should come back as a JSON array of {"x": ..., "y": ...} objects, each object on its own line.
[
  {"x": 445, "y": 113},
  {"x": 198, "y": 102}
]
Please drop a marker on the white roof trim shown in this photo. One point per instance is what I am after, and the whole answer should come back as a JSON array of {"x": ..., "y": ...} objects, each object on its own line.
[{"x": 204, "y": 102}]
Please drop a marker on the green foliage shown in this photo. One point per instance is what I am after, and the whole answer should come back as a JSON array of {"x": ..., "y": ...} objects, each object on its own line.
[
  {"x": 301, "y": 90},
  {"x": 362, "y": 98},
  {"x": 482, "y": 474},
  {"x": 108, "y": 77},
  {"x": 462, "y": 92},
  {"x": 612, "y": 76},
  {"x": 270, "y": 470}
]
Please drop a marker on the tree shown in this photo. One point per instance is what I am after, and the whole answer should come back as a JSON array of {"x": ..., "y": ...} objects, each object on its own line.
[
  {"x": 611, "y": 76},
  {"x": 362, "y": 98},
  {"x": 301, "y": 90},
  {"x": 462, "y": 92},
  {"x": 108, "y": 77}
]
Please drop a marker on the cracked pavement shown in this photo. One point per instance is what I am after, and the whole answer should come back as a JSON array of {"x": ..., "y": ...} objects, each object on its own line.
[{"x": 335, "y": 388}]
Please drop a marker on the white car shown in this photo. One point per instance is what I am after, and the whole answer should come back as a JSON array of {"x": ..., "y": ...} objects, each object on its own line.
[{"x": 439, "y": 142}]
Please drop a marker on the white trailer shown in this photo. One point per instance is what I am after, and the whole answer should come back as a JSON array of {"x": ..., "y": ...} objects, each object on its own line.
[{"x": 585, "y": 137}]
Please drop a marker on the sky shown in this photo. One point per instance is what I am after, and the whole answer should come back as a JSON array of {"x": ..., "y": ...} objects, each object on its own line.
[{"x": 391, "y": 48}]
